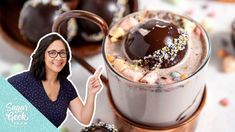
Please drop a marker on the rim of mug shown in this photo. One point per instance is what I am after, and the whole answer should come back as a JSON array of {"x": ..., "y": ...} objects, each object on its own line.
[{"x": 204, "y": 63}]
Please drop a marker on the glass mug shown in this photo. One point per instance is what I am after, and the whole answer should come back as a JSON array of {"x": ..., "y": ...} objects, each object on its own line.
[{"x": 154, "y": 105}]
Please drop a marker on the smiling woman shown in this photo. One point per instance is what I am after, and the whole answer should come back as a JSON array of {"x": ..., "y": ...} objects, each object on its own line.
[{"x": 47, "y": 87}]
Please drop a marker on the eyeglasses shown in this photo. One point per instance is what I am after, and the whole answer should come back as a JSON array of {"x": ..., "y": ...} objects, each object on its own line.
[{"x": 54, "y": 53}]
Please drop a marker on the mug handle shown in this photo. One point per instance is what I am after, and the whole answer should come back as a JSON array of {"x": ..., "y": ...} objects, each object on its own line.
[{"x": 87, "y": 16}]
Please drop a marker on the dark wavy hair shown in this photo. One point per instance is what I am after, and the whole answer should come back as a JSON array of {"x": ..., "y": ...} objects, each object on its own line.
[{"x": 37, "y": 67}]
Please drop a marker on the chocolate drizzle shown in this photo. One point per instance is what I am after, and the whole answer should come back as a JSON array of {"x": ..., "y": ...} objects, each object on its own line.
[{"x": 156, "y": 44}]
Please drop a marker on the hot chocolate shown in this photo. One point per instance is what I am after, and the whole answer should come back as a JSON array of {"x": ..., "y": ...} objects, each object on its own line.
[
  {"x": 155, "y": 63},
  {"x": 173, "y": 49}
]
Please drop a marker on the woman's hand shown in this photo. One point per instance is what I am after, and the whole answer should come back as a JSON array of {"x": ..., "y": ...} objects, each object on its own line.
[
  {"x": 94, "y": 82},
  {"x": 84, "y": 112}
]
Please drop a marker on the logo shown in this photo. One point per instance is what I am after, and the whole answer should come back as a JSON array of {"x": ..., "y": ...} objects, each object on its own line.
[{"x": 16, "y": 113}]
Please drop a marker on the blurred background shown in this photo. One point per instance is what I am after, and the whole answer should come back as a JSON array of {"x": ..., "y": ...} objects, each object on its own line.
[{"x": 216, "y": 16}]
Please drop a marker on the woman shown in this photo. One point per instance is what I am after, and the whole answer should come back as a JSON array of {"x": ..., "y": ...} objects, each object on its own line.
[{"x": 46, "y": 86}]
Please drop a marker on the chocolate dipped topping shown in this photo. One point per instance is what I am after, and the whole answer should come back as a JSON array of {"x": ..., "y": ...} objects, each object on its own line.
[
  {"x": 36, "y": 19},
  {"x": 99, "y": 127},
  {"x": 156, "y": 44}
]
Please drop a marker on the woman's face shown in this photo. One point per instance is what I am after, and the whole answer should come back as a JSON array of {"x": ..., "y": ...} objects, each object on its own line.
[{"x": 55, "y": 56}]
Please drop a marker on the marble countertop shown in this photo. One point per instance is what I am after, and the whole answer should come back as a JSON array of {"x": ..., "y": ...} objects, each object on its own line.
[{"x": 214, "y": 116}]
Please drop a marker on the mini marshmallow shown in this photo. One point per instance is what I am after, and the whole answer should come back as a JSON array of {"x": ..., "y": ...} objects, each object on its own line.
[
  {"x": 188, "y": 25},
  {"x": 183, "y": 76},
  {"x": 189, "y": 12},
  {"x": 207, "y": 23},
  {"x": 212, "y": 14},
  {"x": 224, "y": 102},
  {"x": 150, "y": 78},
  {"x": 222, "y": 53},
  {"x": 119, "y": 64},
  {"x": 198, "y": 31},
  {"x": 110, "y": 58},
  {"x": 174, "y": 2},
  {"x": 127, "y": 24},
  {"x": 132, "y": 74},
  {"x": 116, "y": 33},
  {"x": 175, "y": 75},
  {"x": 229, "y": 64},
  {"x": 112, "y": 39}
]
